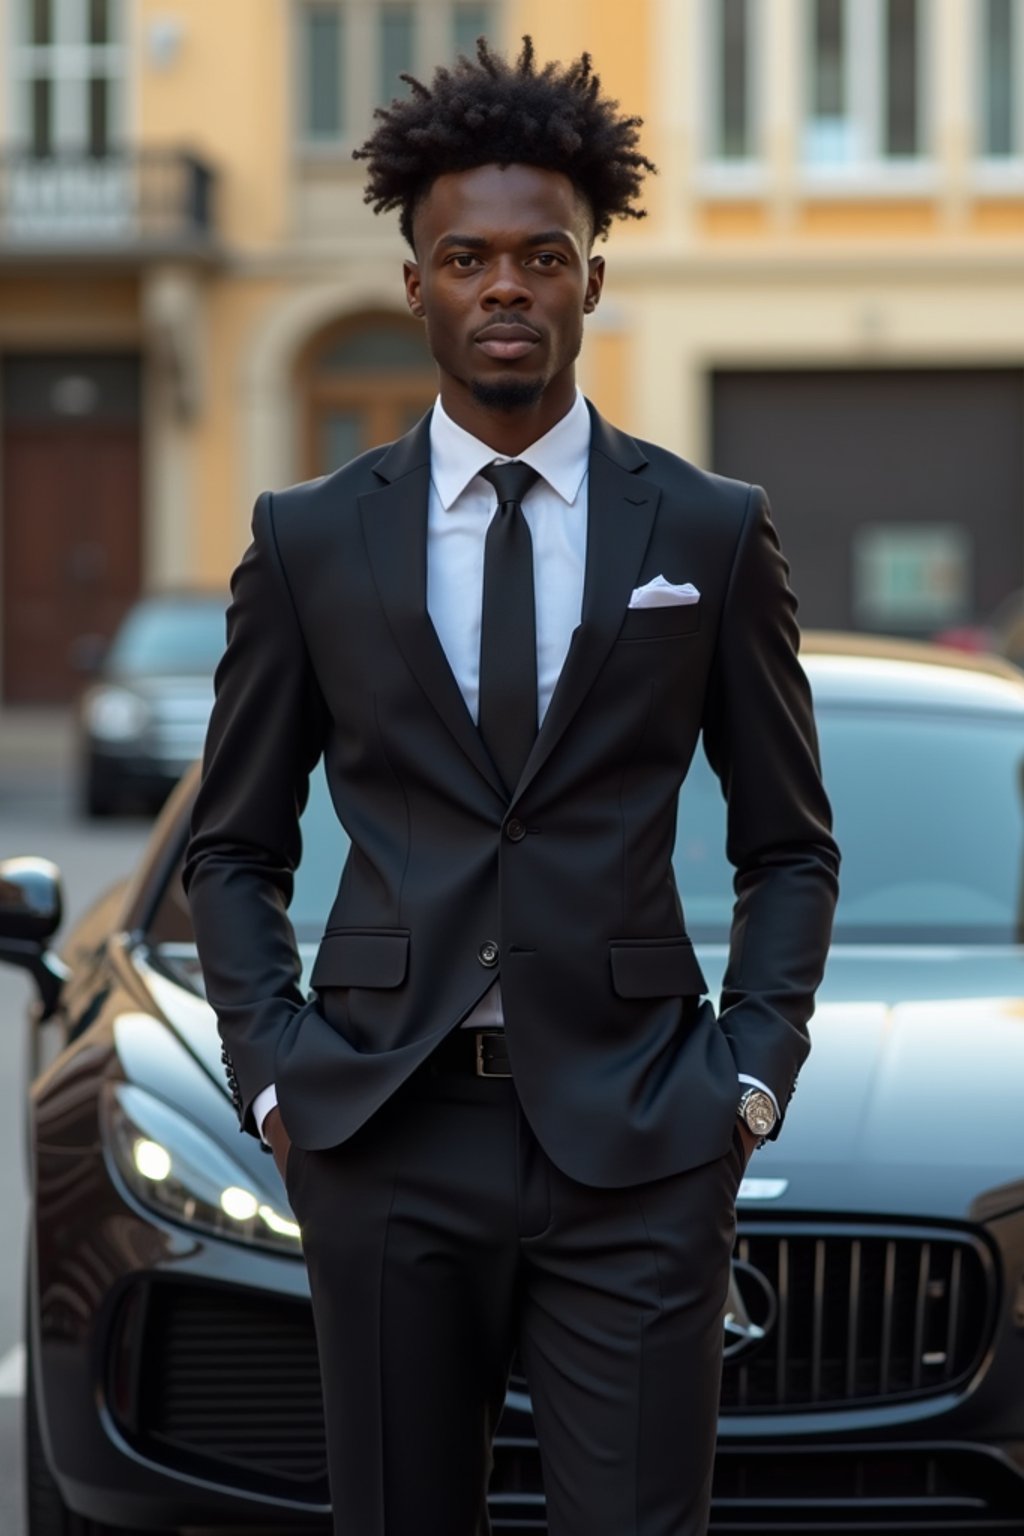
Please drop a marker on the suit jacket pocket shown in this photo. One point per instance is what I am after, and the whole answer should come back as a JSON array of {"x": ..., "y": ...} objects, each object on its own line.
[
  {"x": 661, "y": 623},
  {"x": 362, "y": 957},
  {"x": 656, "y": 968}
]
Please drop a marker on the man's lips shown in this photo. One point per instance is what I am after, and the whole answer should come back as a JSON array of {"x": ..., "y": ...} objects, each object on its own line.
[{"x": 506, "y": 342}]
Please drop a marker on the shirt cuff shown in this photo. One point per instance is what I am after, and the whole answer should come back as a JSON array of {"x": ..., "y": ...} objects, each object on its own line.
[
  {"x": 751, "y": 1082},
  {"x": 262, "y": 1104}
]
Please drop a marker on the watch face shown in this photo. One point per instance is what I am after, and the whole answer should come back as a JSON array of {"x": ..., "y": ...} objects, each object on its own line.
[{"x": 758, "y": 1113}]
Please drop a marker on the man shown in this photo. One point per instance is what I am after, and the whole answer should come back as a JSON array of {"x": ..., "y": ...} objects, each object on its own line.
[{"x": 506, "y": 1117}]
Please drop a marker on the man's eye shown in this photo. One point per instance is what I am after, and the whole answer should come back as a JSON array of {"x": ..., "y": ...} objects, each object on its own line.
[
  {"x": 547, "y": 258},
  {"x": 464, "y": 260}
]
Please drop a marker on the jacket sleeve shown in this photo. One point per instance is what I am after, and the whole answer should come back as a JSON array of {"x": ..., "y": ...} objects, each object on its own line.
[
  {"x": 264, "y": 739},
  {"x": 760, "y": 739}
]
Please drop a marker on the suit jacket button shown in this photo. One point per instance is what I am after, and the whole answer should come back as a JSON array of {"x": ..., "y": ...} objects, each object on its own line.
[
  {"x": 488, "y": 953},
  {"x": 514, "y": 830}
]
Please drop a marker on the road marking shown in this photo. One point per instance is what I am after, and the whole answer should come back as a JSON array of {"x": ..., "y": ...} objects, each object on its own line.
[{"x": 12, "y": 1372}]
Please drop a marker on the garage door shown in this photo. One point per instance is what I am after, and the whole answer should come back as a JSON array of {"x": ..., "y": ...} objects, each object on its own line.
[{"x": 899, "y": 495}]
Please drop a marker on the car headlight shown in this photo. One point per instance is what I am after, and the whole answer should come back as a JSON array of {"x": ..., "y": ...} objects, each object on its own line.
[
  {"x": 115, "y": 714},
  {"x": 175, "y": 1168}
]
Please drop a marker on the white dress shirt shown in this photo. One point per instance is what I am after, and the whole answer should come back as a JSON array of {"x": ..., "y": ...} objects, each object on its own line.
[{"x": 461, "y": 505}]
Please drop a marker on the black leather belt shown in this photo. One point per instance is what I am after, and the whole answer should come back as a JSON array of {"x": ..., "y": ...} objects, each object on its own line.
[{"x": 477, "y": 1052}]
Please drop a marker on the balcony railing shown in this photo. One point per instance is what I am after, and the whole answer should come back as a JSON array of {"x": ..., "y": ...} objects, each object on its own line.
[{"x": 138, "y": 202}]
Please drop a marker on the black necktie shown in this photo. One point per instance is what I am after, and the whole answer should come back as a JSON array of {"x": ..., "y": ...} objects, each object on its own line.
[{"x": 508, "y": 633}]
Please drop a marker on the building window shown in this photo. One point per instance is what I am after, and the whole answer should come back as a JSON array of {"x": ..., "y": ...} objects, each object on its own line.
[
  {"x": 864, "y": 97},
  {"x": 469, "y": 23},
  {"x": 324, "y": 72},
  {"x": 902, "y": 91},
  {"x": 733, "y": 52},
  {"x": 68, "y": 69},
  {"x": 396, "y": 48},
  {"x": 829, "y": 123},
  {"x": 1002, "y": 56},
  {"x": 350, "y": 56},
  {"x": 100, "y": 18},
  {"x": 40, "y": 23}
]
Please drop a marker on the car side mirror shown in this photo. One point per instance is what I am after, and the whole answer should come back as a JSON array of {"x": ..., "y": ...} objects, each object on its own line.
[{"x": 31, "y": 908}]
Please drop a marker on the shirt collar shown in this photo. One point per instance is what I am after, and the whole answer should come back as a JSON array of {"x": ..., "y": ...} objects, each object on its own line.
[{"x": 561, "y": 456}]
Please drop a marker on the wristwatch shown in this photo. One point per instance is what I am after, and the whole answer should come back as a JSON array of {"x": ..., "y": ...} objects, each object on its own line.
[{"x": 757, "y": 1112}]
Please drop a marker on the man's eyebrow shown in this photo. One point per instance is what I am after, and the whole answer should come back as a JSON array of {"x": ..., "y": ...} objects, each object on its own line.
[
  {"x": 481, "y": 243},
  {"x": 467, "y": 242}
]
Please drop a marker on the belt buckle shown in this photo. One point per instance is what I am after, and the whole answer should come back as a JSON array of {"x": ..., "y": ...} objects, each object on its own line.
[{"x": 481, "y": 1065}]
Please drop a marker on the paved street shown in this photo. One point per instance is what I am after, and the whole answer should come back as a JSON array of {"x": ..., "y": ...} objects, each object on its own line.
[{"x": 37, "y": 815}]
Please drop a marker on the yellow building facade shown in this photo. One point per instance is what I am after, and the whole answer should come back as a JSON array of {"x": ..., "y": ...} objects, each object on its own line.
[{"x": 196, "y": 304}]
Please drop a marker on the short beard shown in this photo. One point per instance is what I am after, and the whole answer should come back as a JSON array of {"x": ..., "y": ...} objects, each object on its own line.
[{"x": 507, "y": 394}]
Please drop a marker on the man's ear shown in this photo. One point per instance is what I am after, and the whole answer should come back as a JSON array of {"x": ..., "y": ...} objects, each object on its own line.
[
  {"x": 413, "y": 289},
  {"x": 595, "y": 283}
]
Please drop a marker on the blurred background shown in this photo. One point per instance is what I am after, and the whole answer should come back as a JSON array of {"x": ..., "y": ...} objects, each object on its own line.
[{"x": 196, "y": 304}]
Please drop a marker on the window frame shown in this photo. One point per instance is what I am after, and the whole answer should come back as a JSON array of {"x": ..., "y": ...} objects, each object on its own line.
[
  {"x": 868, "y": 167},
  {"x": 361, "y": 64},
  {"x": 994, "y": 173},
  {"x": 70, "y": 62},
  {"x": 720, "y": 175},
  {"x": 305, "y": 12},
  {"x": 714, "y": 34}
]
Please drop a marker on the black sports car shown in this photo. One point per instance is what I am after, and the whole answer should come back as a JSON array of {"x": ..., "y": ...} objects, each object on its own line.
[{"x": 874, "y": 1377}]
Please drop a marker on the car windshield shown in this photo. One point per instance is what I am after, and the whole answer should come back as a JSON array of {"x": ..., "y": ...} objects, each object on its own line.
[
  {"x": 168, "y": 636},
  {"x": 929, "y": 814}
]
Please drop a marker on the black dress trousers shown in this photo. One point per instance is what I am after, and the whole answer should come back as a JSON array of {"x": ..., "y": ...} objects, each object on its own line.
[{"x": 439, "y": 1238}]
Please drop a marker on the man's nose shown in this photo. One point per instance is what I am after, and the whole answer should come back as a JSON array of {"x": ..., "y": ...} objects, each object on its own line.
[{"x": 507, "y": 288}]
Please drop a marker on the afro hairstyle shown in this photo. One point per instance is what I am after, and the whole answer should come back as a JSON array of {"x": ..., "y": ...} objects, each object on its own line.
[{"x": 491, "y": 112}]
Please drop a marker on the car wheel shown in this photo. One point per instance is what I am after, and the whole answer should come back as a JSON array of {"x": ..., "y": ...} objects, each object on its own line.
[{"x": 46, "y": 1514}]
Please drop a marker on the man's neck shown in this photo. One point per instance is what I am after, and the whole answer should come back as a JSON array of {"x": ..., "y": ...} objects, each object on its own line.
[{"x": 509, "y": 433}]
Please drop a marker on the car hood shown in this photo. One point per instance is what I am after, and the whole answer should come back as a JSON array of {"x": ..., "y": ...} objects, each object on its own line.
[
  {"x": 910, "y": 1101},
  {"x": 909, "y": 1104}
]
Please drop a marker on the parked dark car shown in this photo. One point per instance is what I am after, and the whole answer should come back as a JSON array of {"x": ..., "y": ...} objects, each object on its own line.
[
  {"x": 874, "y": 1378},
  {"x": 143, "y": 718}
]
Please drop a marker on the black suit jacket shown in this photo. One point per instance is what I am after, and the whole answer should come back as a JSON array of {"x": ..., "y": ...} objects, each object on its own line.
[{"x": 623, "y": 1072}]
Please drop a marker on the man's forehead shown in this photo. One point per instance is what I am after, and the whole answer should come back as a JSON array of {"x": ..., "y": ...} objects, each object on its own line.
[{"x": 524, "y": 199}]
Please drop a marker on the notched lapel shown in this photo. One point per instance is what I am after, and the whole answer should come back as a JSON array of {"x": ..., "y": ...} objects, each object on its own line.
[
  {"x": 394, "y": 523},
  {"x": 621, "y": 507}
]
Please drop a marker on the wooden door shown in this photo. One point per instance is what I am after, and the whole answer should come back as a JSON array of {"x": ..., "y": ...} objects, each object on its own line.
[{"x": 71, "y": 548}]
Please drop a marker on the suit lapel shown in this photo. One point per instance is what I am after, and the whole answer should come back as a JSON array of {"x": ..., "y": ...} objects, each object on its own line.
[
  {"x": 620, "y": 515},
  {"x": 394, "y": 521},
  {"x": 621, "y": 506}
]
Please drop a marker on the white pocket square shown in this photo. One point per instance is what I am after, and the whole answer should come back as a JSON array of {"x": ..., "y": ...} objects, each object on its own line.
[{"x": 660, "y": 593}]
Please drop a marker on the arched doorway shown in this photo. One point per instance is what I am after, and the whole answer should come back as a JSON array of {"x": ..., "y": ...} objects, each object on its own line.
[{"x": 364, "y": 381}]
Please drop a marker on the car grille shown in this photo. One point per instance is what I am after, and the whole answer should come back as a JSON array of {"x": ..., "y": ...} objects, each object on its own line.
[
  {"x": 225, "y": 1383},
  {"x": 228, "y": 1386},
  {"x": 879, "y": 1489},
  {"x": 862, "y": 1316}
]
